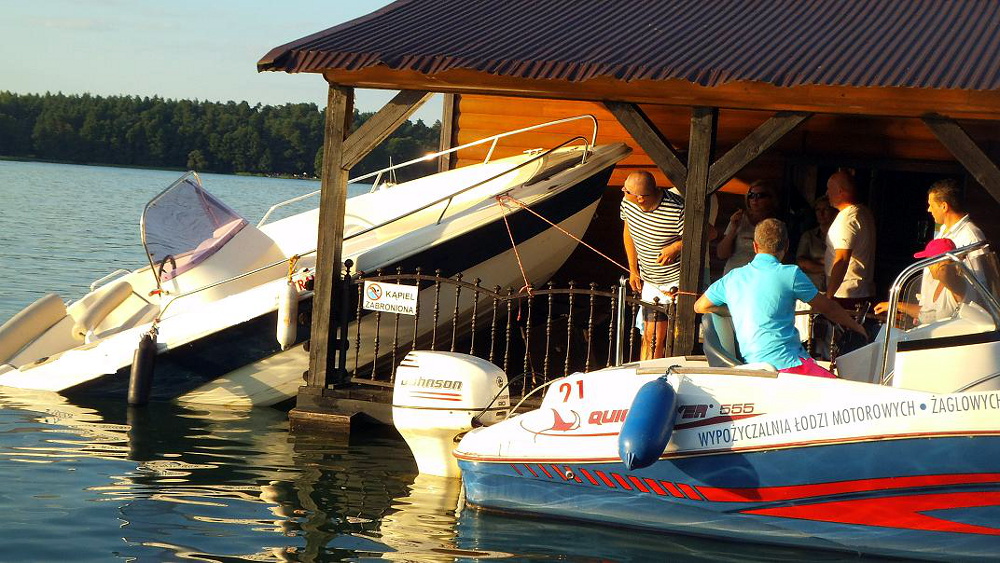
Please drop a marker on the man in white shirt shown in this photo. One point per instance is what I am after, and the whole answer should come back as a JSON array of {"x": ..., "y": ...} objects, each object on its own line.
[
  {"x": 942, "y": 288},
  {"x": 850, "y": 244},
  {"x": 947, "y": 207}
]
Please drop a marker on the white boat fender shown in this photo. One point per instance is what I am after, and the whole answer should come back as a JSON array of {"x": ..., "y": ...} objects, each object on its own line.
[
  {"x": 140, "y": 381},
  {"x": 288, "y": 312},
  {"x": 648, "y": 424}
]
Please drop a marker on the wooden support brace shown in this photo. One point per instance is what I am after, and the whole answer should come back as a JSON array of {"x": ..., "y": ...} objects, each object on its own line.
[
  {"x": 704, "y": 124},
  {"x": 381, "y": 125},
  {"x": 966, "y": 151},
  {"x": 652, "y": 141},
  {"x": 752, "y": 146}
]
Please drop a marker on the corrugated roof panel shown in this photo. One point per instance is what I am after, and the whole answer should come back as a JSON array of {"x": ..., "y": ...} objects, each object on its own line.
[{"x": 877, "y": 43}]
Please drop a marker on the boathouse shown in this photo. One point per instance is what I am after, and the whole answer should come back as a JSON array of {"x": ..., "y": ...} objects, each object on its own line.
[{"x": 712, "y": 95}]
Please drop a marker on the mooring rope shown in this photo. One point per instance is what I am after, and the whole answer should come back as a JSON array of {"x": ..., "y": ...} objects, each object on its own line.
[
  {"x": 517, "y": 255},
  {"x": 292, "y": 262},
  {"x": 524, "y": 206}
]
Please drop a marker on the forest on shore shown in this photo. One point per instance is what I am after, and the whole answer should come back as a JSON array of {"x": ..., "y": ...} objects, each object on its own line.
[{"x": 231, "y": 137}]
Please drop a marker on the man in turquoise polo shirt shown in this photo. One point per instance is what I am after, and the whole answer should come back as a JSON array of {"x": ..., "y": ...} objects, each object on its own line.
[{"x": 761, "y": 299}]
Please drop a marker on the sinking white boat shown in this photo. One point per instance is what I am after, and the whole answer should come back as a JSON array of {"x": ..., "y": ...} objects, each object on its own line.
[
  {"x": 899, "y": 457},
  {"x": 222, "y": 293}
]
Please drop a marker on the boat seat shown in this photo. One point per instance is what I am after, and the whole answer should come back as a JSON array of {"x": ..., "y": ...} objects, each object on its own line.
[
  {"x": 89, "y": 312},
  {"x": 34, "y": 320},
  {"x": 721, "y": 349}
]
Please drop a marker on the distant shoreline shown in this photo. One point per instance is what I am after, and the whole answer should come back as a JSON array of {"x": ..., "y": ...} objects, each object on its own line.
[{"x": 5, "y": 158}]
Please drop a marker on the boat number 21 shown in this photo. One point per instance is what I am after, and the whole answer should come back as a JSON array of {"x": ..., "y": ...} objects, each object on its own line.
[{"x": 567, "y": 389}]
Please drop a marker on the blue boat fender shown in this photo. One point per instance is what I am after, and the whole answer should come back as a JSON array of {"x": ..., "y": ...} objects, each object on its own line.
[{"x": 648, "y": 425}]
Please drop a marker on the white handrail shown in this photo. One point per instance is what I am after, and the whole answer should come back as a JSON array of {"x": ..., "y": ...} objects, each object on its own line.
[
  {"x": 432, "y": 156},
  {"x": 955, "y": 256},
  {"x": 108, "y": 277},
  {"x": 284, "y": 203}
]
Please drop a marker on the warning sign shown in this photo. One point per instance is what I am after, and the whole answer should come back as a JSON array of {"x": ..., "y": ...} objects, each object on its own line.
[{"x": 390, "y": 298}]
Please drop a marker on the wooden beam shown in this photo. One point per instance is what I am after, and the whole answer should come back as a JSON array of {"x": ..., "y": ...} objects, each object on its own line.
[
  {"x": 330, "y": 240},
  {"x": 888, "y": 101},
  {"x": 652, "y": 141},
  {"x": 966, "y": 151},
  {"x": 449, "y": 131},
  {"x": 752, "y": 146},
  {"x": 704, "y": 124},
  {"x": 381, "y": 125}
]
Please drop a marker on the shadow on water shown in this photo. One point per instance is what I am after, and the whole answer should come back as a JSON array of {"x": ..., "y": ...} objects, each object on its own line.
[{"x": 173, "y": 482}]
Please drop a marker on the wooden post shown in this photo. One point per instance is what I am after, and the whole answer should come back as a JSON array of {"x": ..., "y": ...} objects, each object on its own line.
[
  {"x": 449, "y": 131},
  {"x": 967, "y": 152},
  {"x": 652, "y": 141},
  {"x": 330, "y": 239},
  {"x": 339, "y": 155},
  {"x": 704, "y": 123}
]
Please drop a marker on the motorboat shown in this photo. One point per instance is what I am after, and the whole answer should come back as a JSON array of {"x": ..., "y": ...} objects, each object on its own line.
[
  {"x": 216, "y": 316},
  {"x": 899, "y": 456}
]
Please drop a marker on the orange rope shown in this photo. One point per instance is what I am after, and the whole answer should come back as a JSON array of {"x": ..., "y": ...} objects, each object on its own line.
[
  {"x": 562, "y": 230},
  {"x": 522, "y": 205},
  {"x": 517, "y": 255}
]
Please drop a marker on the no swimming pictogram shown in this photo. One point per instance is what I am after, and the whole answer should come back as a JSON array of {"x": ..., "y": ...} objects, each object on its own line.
[{"x": 390, "y": 298}]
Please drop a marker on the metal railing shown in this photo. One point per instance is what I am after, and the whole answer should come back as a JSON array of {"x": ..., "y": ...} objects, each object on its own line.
[
  {"x": 113, "y": 275},
  {"x": 957, "y": 257},
  {"x": 492, "y": 139},
  {"x": 542, "y": 335},
  {"x": 369, "y": 229}
]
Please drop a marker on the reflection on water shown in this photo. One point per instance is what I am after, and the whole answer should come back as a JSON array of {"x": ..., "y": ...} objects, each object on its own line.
[{"x": 170, "y": 482}]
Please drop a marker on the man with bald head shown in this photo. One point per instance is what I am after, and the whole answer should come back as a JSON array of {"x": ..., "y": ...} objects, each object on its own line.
[
  {"x": 654, "y": 222},
  {"x": 850, "y": 244}
]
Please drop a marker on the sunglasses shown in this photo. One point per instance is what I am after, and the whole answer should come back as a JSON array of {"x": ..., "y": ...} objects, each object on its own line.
[
  {"x": 758, "y": 195},
  {"x": 638, "y": 195}
]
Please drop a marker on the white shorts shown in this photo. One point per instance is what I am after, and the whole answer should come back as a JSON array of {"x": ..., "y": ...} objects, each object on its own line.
[{"x": 650, "y": 292}]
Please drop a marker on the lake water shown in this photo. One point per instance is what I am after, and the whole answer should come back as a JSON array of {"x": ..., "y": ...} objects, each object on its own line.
[{"x": 173, "y": 483}]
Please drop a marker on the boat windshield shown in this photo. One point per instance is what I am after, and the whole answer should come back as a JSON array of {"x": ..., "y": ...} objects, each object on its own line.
[
  {"x": 184, "y": 225},
  {"x": 960, "y": 285}
]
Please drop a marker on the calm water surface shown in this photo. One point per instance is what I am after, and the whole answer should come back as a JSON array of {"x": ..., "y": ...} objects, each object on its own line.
[{"x": 98, "y": 482}]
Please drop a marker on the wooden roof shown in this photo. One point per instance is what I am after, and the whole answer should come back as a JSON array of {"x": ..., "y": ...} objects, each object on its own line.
[{"x": 875, "y": 57}]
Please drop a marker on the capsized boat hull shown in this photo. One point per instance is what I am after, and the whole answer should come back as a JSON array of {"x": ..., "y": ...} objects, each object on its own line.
[
  {"x": 226, "y": 352},
  {"x": 897, "y": 472}
]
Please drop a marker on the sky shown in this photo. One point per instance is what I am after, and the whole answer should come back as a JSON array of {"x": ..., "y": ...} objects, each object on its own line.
[{"x": 181, "y": 49}]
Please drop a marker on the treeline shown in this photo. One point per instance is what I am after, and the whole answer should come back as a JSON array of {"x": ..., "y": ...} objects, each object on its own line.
[{"x": 206, "y": 136}]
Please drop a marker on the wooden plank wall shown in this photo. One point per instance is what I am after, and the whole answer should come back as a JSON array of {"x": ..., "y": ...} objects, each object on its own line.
[
  {"x": 833, "y": 139},
  {"x": 833, "y": 135}
]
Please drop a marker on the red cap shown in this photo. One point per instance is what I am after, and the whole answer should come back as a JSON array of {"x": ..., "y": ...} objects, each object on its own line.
[{"x": 935, "y": 247}]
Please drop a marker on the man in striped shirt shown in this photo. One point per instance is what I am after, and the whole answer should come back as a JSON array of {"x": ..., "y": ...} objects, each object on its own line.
[{"x": 654, "y": 222}]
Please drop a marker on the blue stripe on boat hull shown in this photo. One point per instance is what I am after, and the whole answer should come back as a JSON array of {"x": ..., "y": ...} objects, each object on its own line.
[{"x": 914, "y": 489}]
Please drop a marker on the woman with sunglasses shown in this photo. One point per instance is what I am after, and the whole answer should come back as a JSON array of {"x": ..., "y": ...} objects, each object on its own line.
[{"x": 736, "y": 246}]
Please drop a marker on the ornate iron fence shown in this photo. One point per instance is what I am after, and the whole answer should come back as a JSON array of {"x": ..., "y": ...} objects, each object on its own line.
[{"x": 541, "y": 334}]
